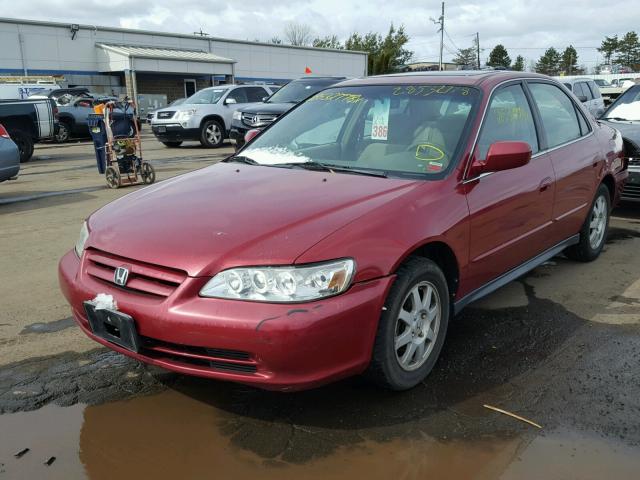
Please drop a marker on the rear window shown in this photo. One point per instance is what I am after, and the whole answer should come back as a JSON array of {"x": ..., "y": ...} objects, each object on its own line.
[{"x": 299, "y": 90}]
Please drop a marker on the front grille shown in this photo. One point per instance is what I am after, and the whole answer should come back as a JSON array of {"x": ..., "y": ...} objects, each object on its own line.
[
  {"x": 144, "y": 278},
  {"x": 258, "y": 119},
  {"x": 166, "y": 114},
  {"x": 214, "y": 358},
  {"x": 631, "y": 191},
  {"x": 634, "y": 161}
]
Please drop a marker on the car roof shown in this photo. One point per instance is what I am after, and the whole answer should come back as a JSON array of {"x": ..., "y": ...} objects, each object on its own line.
[
  {"x": 575, "y": 80},
  {"x": 458, "y": 77}
]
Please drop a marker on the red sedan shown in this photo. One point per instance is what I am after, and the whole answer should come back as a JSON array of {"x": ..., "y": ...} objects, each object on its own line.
[{"x": 343, "y": 238}]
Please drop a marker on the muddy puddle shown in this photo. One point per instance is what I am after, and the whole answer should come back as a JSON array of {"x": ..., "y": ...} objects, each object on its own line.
[{"x": 173, "y": 435}]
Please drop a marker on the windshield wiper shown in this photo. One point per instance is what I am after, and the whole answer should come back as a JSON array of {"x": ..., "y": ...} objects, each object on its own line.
[
  {"x": 241, "y": 159},
  {"x": 357, "y": 171},
  {"x": 326, "y": 167}
]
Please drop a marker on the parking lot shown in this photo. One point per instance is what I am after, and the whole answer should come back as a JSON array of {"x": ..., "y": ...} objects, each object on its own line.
[{"x": 559, "y": 347}]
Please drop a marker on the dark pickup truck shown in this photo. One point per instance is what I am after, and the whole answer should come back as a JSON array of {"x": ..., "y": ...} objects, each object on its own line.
[{"x": 28, "y": 122}]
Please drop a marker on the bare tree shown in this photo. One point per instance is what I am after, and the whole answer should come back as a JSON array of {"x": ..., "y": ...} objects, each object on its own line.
[{"x": 298, "y": 34}]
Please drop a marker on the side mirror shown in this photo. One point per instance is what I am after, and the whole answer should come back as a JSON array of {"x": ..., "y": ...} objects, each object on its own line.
[
  {"x": 582, "y": 98},
  {"x": 230, "y": 101},
  {"x": 503, "y": 156},
  {"x": 251, "y": 134}
]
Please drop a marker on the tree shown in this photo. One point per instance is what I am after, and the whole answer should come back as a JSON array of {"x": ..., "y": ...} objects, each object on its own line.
[
  {"x": 629, "y": 49},
  {"x": 298, "y": 34},
  {"x": 385, "y": 54},
  {"x": 276, "y": 40},
  {"x": 330, "y": 41},
  {"x": 549, "y": 63},
  {"x": 499, "y": 57},
  {"x": 569, "y": 61},
  {"x": 467, "y": 58},
  {"x": 518, "y": 65},
  {"x": 608, "y": 47}
]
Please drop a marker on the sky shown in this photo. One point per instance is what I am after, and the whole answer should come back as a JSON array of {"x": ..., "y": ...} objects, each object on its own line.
[{"x": 524, "y": 27}]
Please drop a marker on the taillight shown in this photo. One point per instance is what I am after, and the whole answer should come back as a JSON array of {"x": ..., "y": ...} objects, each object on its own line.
[
  {"x": 55, "y": 112},
  {"x": 3, "y": 132}
]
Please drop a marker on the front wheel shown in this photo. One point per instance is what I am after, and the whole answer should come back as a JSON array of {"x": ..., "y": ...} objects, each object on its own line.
[
  {"x": 64, "y": 133},
  {"x": 112, "y": 176},
  {"x": 211, "y": 134},
  {"x": 594, "y": 229},
  {"x": 147, "y": 173},
  {"x": 412, "y": 327}
]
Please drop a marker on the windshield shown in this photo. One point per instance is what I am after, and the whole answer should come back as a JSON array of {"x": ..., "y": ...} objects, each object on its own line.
[
  {"x": 626, "y": 107},
  {"x": 208, "y": 95},
  {"x": 298, "y": 90},
  {"x": 408, "y": 129},
  {"x": 602, "y": 83}
]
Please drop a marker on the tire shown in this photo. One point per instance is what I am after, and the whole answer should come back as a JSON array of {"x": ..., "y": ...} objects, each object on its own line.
[
  {"x": 593, "y": 233},
  {"x": 112, "y": 176},
  {"x": 24, "y": 143},
  {"x": 172, "y": 144},
  {"x": 399, "y": 369},
  {"x": 212, "y": 134},
  {"x": 64, "y": 132},
  {"x": 147, "y": 173}
]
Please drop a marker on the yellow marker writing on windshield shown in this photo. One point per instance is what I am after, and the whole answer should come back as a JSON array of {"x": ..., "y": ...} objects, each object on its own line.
[{"x": 428, "y": 152}]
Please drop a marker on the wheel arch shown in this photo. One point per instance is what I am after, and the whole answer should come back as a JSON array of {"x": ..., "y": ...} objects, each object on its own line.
[
  {"x": 442, "y": 255},
  {"x": 609, "y": 182},
  {"x": 218, "y": 118}
]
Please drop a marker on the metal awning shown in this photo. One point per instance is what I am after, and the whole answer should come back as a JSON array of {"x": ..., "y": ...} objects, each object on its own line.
[{"x": 118, "y": 57}]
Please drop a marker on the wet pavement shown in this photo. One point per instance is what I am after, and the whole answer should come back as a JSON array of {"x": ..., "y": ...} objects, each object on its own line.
[{"x": 560, "y": 347}]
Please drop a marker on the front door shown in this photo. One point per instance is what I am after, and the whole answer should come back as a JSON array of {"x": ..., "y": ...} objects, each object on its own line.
[{"x": 510, "y": 210}]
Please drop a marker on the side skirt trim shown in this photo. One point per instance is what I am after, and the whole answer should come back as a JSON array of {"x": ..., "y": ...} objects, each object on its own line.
[{"x": 511, "y": 275}]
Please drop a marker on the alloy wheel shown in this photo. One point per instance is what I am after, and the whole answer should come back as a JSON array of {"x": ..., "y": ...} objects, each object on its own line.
[
  {"x": 417, "y": 326},
  {"x": 598, "y": 222},
  {"x": 213, "y": 134}
]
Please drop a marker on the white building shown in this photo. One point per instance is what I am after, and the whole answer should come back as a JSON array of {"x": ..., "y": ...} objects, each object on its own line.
[{"x": 119, "y": 60}]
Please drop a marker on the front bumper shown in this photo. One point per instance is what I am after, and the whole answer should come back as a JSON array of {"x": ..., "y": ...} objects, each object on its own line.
[
  {"x": 237, "y": 134},
  {"x": 273, "y": 346},
  {"x": 174, "y": 132}
]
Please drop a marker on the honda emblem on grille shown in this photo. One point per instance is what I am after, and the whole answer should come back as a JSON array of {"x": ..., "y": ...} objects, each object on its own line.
[{"x": 120, "y": 276}]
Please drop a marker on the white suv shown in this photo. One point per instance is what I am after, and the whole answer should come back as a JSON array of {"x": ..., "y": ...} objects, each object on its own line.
[{"x": 206, "y": 115}]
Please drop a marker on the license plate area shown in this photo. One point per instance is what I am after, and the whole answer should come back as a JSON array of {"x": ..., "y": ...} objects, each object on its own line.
[
  {"x": 114, "y": 326},
  {"x": 162, "y": 129}
]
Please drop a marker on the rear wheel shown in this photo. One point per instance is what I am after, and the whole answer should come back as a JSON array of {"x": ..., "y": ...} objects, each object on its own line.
[
  {"x": 172, "y": 144},
  {"x": 412, "y": 327},
  {"x": 24, "y": 142},
  {"x": 64, "y": 132},
  {"x": 211, "y": 134},
  {"x": 594, "y": 230}
]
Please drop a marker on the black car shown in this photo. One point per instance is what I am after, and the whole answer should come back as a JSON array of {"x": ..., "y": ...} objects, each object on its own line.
[
  {"x": 263, "y": 114},
  {"x": 624, "y": 115}
]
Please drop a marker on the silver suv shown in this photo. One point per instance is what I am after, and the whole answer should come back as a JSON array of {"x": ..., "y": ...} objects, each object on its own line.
[
  {"x": 587, "y": 92},
  {"x": 206, "y": 115}
]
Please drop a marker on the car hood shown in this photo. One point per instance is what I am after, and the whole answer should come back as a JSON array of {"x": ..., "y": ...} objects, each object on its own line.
[
  {"x": 630, "y": 130},
  {"x": 278, "y": 108},
  {"x": 231, "y": 215}
]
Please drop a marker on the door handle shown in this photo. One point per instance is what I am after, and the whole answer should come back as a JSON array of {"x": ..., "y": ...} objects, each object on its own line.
[{"x": 545, "y": 184}]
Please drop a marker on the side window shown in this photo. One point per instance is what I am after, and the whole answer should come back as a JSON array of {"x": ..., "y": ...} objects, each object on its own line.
[
  {"x": 557, "y": 112},
  {"x": 256, "y": 94},
  {"x": 239, "y": 94},
  {"x": 568, "y": 85},
  {"x": 586, "y": 90},
  {"x": 508, "y": 118},
  {"x": 584, "y": 126},
  {"x": 595, "y": 91}
]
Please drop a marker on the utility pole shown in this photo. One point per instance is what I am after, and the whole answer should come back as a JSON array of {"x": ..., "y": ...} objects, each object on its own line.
[
  {"x": 440, "y": 21},
  {"x": 441, "y": 36},
  {"x": 478, "y": 47}
]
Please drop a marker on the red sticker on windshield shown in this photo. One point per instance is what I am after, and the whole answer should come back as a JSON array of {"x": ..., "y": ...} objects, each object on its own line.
[{"x": 434, "y": 166}]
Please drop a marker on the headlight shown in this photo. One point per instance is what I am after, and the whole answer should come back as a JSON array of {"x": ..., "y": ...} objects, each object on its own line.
[
  {"x": 82, "y": 239},
  {"x": 237, "y": 115},
  {"x": 282, "y": 284},
  {"x": 187, "y": 113}
]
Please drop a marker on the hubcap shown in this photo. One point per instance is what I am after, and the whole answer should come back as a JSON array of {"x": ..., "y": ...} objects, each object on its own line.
[
  {"x": 417, "y": 326},
  {"x": 213, "y": 133},
  {"x": 598, "y": 222}
]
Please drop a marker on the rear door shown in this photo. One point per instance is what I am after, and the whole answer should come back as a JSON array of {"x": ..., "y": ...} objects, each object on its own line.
[
  {"x": 510, "y": 211},
  {"x": 575, "y": 155}
]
